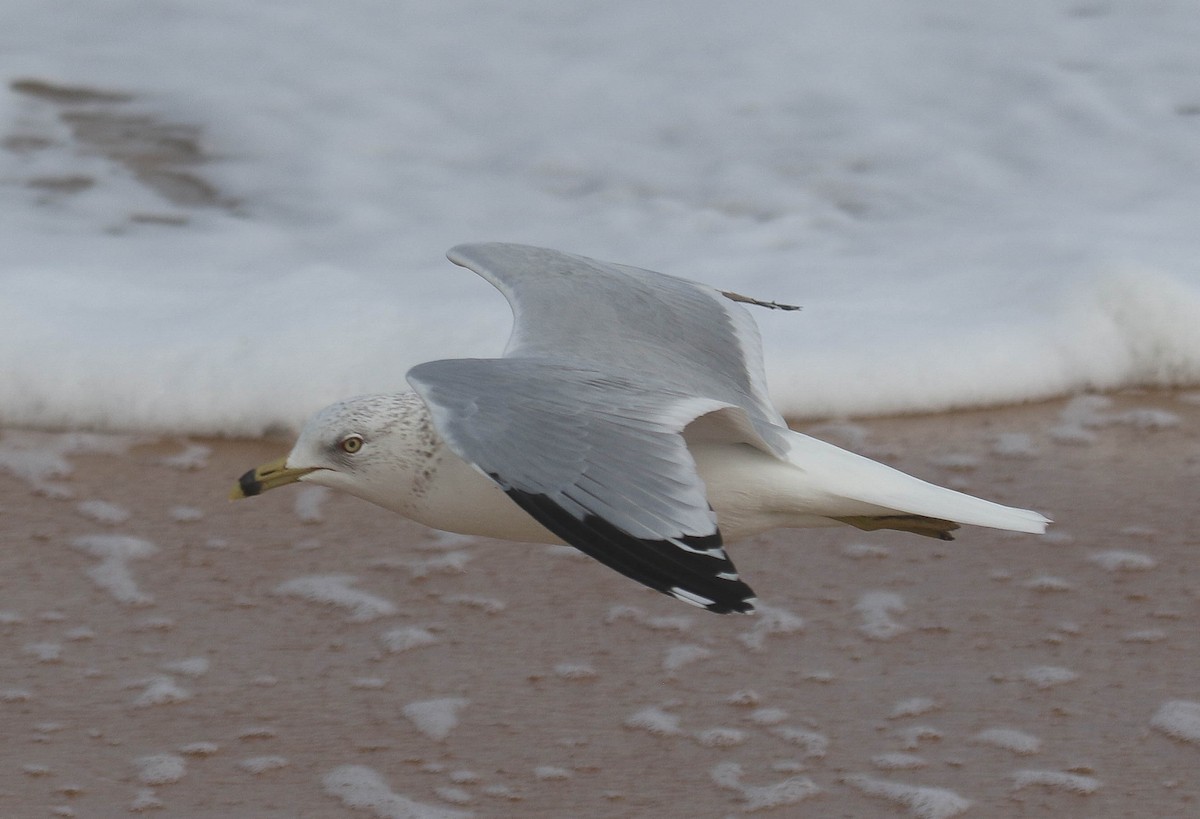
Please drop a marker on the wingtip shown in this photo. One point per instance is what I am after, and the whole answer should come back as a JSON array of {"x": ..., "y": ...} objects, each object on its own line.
[
  {"x": 748, "y": 606},
  {"x": 470, "y": 254},
  {"x": 743, "y": 605},
  {"x": 458, "y": 254}
]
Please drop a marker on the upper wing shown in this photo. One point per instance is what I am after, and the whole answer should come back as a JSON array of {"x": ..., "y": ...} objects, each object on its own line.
[
  {"x": 662, "y": 330},
  {"x": 596, "y": 459}
]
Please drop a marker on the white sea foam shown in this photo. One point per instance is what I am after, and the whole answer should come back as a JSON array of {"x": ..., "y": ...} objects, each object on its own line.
[
  {"x": 897, "y": 761},
  {"x": 145, "y": 800},
  {"x": 1014, "y": 445},
  {"x": 455, "y": 796},
  {"x": 41, "y": 459},
  {"x": 186, "y": 514},
  {"x": 956, "y": 461},
  {"x": 859, "y": 551},
  {"x": 1048, "y": 676},
  {"x": 721, "y": 737},
  {"x": 551, "y": 772},
  {"x": 677, "y": 622},
  {"x": 1048, "y": 583},
  {"x": 655, "y": 721},
  {"x": 922, "y": 802},
  {"x": 159, "y": 690},
  {"x": 435, "y": 718},
  {"x": 728, "y": 775},
  {"x": 682, "y": 655},
  {"x": 1122, "y": 560},
  {"x": 199, "y": 749},
  {"x": 155, "y": 623},
  {"x": 876, "y": 609},
  {"x": 488, "y": 605},
  {"x": 814, "y": 743},
  {"x": 912, "y": 736},
  {"x": 1179, "y": 719},
  {"x": 768, "y": 716},
  {"x": 191, "y": 457},
  {"x": 1062, "y": 780},
  {"x": 453, "y": 562},
  {"x": 913, "y": 707},
  {"x": 407, "y": 638},
  {"x": 189, "y": 667},
  {"x": 1089, "y": 412},
  {"x": 112, "y": 573},
  {"x": 770, "y": 620},
  {"x": 499, "y": 790},
  {"x": 575, "y": 671},
  {"x": 1009, "y": 739},
  {"x": 335, "y": 590},
  {"x": 44, "y": 652},
  {"x": 362, "y": 788},
  {"x": 258, "y": 765},
  {"x": 895, "y": 177},
  {"x": 160, "y": 769},
  {"x": 744, "y": 697},
  {"x": 103, "y": 511}
]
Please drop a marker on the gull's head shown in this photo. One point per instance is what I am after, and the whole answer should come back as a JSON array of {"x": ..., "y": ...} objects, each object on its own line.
[{"x": 360, "y": 445}]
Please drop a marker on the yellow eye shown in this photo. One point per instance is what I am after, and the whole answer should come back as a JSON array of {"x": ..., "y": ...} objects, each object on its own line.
[{"x": 351, "y": 444}]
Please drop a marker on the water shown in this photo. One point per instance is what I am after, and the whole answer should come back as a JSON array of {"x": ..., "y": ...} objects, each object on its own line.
[{"x": 245, "y": 220}]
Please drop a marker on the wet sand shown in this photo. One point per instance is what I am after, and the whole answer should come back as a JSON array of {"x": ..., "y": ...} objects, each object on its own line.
[{"x": 305, "y": 654}]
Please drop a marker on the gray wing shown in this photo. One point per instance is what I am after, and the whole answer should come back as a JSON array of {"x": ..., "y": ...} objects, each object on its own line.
[
  {"x": 658, "y": 329},
  {"x": 597, "y": 459}
]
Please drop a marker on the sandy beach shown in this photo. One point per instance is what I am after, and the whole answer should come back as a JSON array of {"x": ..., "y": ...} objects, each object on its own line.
[
  {"x": 218, "y": 216},
  {"x": 305, "y": 654}
]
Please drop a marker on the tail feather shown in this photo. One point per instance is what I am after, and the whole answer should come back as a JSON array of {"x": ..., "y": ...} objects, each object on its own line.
[{"x": 903, "y": 502}]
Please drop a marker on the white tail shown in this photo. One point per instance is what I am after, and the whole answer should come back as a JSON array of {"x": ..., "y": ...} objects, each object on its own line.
[{"x": 859, "y": 480}]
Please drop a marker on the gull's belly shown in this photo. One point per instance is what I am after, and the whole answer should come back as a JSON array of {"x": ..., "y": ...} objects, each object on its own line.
[{"x": 458, "y": 498}]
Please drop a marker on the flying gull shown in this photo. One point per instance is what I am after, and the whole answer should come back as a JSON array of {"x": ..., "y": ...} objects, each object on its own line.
[{"x": 629, "y": 418}]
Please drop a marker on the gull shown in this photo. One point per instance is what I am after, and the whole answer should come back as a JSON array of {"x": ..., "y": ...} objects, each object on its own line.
[{"x": 628, "y": 417}]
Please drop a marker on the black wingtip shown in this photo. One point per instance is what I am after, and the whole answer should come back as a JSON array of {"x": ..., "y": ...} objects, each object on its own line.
[
  {"x": 693, "y": 569},
  {"x": 746, "y": 605}
]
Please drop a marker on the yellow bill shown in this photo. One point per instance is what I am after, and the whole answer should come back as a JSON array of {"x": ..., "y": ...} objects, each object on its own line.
[{"x": 268, "y": 476}]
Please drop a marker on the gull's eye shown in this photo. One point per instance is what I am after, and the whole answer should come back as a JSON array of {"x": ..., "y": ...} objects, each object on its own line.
[{"x": 351, "y": 444}]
